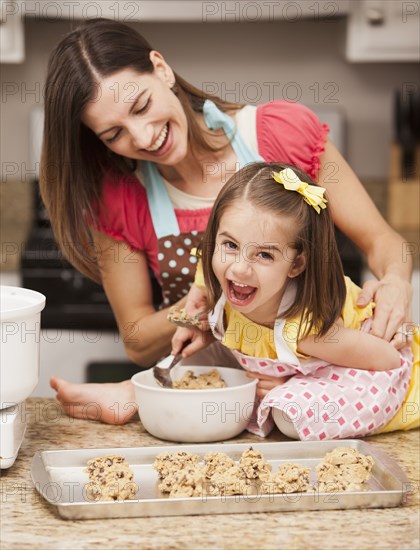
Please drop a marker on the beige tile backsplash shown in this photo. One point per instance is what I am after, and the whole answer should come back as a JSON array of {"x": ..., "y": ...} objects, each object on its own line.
[{"x": 16, "y": 214}]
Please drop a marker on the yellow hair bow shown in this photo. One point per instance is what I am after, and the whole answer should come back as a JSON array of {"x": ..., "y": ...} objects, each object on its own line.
[{"x": 312, "y": 194}]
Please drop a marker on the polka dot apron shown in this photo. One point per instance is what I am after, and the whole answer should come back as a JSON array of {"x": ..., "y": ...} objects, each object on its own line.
[
  {"x": 176, "y": 265},
  {"x": 322, "y": 400}
]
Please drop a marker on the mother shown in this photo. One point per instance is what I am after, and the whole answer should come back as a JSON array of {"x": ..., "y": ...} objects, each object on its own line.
[{"x": 133, "y": 158}]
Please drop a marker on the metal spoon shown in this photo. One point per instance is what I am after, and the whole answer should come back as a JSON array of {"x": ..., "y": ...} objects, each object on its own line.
[{"x": 163, "y": 375}]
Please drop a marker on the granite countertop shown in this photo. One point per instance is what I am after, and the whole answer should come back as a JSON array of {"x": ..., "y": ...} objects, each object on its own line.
[{"x": 28, "y": 521}]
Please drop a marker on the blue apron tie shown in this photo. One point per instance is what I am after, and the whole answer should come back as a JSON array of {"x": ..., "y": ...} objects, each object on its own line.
[{"x": 160, "y": 205}]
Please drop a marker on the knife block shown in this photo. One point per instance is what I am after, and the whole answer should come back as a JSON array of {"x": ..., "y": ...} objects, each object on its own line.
[{"x": 403, "y": 195}]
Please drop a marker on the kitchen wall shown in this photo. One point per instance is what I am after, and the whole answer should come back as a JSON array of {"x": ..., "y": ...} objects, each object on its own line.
[{"x": 243, "y": 62}]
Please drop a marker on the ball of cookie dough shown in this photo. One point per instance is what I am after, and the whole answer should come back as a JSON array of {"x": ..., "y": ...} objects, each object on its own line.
[
  {"x": 167, "y": 463},
  {"x": 110, "y": 478},
  {"x": 347, "y": 455},
  {"x": 344, "y": 469},
  {"x": 254, "y": 465},
  {"x": 230, "y": 482},
  {"x": 290, "y": 478},
  {"x": 184, "y": 483},
  {"x": 217, "y": 463}
]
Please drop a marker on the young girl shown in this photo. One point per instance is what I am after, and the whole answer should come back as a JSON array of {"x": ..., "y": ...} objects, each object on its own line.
[{"x": 280, "y": 301}]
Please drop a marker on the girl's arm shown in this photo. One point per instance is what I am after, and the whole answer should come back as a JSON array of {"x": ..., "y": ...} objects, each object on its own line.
[
  {"x": 351, "y": 348},
  {"x": 344, "y": 347},
  {"x": 197, "y": 304},
  {"x": 146, "y": 333},
  {"x": 266, "y": 383},
  {"x": 388, "y": 256}
]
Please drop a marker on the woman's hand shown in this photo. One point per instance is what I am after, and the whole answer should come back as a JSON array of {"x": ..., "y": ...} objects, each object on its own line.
[
  {"x": 266, "y": 383},
  {"x": 392, "y": 314},
  {"x": 199, "y": 340}
]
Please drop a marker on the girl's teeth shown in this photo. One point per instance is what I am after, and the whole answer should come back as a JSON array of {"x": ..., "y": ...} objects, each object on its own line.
[
  {"x": 241, "y": 292},
  {"x": 238, "y": 284},
  {"x": 159, "y": 142}
]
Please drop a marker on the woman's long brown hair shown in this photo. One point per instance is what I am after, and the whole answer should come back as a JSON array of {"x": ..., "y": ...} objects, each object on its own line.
[
  {"x": 321, "y": 288},
  {"x": 74, "y": 161}
]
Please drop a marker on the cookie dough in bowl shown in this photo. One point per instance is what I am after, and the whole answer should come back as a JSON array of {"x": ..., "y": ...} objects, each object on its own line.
[
  {"x": 207, "y": 380},
  {"x": 191, "y": 415}
]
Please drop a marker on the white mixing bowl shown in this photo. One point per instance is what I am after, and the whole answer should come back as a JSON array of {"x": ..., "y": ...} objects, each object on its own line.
[
  {"x": 20, "y": 338},
  {"x": 195, "y": 416}
]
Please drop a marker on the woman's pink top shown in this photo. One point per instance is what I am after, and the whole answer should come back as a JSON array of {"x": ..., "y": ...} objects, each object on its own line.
[{"x": 286, "y": 132}]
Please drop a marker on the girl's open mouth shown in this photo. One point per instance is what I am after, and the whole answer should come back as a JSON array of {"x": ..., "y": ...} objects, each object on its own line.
[{"x": 239, "y": 294}]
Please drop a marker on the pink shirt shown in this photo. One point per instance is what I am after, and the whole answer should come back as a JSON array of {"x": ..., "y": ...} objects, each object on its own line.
[{"x": 286, "y": 132}]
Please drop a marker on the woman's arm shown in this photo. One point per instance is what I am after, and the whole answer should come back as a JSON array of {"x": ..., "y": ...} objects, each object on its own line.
[
  {"x": 351, "y": 348},
  {"x": 356, "y": 215},
  {"x": 125, "y": 275}
]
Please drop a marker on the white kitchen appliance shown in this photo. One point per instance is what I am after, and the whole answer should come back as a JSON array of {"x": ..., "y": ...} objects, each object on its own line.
[{"x": 19, "y": 367}]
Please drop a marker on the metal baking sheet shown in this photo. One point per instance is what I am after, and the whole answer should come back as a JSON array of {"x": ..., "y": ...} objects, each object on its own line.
[{"x": 59, "y": 477}]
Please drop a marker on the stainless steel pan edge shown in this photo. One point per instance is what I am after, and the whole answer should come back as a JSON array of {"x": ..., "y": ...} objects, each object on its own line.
[
  {"x": 390, "y": 473},
  {"x": 226, "y": 505}
]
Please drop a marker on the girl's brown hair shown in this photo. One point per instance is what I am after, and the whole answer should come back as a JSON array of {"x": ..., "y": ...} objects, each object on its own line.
[
  {"x": 321, "y": 288},
  {"x": 74, "y": 160}
]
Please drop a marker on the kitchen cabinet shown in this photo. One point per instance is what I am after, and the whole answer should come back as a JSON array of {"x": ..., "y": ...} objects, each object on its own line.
[
  {"x": 379, "y": 30},
  {"x": 200, "y": 11},
  {"x": 12, "y": 46}
]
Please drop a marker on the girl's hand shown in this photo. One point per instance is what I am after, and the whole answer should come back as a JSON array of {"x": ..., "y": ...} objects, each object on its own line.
[
  {"x": 392, "y": 314},
  {"x": 199, "y": 340},
  {"x": 197, "y": 303},
  {"x": 266, "y": 383}
]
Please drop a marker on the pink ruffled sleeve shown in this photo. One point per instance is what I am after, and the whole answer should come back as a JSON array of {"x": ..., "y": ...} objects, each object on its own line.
[
  {"x": 290, "y": 132},
  {"x": 124, "y": 215}
]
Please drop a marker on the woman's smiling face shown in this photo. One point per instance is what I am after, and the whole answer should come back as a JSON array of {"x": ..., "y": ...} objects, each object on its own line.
[
  {"x": 138, "y": 116},
  {"x": 254, "y": 258}
]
